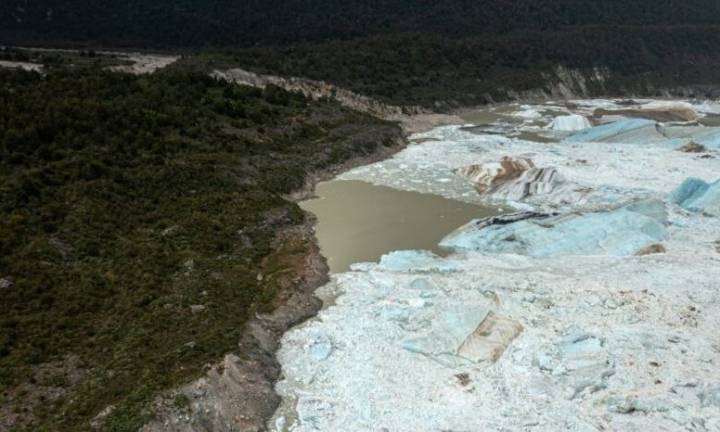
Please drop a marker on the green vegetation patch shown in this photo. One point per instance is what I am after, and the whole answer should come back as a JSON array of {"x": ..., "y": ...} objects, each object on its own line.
[{"x": 136, "y": 213}]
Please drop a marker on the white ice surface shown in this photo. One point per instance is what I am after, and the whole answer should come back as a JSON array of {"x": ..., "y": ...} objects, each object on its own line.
[
  {"x": 573, "y": 122},
  {"x": 609, "y": 343},
  {"x": 707, "y": 107}
]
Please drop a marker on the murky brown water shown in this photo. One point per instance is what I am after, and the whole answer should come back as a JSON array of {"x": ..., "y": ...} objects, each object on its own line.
[
  {"x": 486, "y": 116},
  {"x": 359, "y": 221},
  {"x": 711, "y": 120}
]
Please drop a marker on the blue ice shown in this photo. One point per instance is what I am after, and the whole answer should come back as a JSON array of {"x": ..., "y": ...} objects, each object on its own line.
[{"x": 619, "y": 232}]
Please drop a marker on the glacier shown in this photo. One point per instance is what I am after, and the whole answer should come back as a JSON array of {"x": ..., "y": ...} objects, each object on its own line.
[{"x": 549, "y": 320}]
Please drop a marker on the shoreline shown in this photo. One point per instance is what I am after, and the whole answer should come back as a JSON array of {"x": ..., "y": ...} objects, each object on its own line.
[
  {"x": 241, "y": 389},
  {"x": 238, "y": 393}
]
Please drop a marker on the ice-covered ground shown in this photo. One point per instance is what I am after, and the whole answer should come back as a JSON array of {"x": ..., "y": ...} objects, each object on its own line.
[{"x": 626, "y": 343}]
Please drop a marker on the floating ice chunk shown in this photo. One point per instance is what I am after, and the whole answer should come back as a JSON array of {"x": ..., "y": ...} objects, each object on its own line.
[
  {"x": 527, "y": 114},
  {"x": 518, "y": 182},
  {"x": 690, "y": 189},
  {"x": 618, "y": 232},
  {"x": 314, "y": 413},
  {"x": 633, "y": 131},
  {"x": 449, "y": 330},
  {"x": 573, "y": 122},
  {"x": 415, "y": 261},
  {"x": 698, "y": 196}
]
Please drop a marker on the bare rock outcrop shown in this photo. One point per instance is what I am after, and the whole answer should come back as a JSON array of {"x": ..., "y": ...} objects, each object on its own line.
[{"x": 319, "y": 90}]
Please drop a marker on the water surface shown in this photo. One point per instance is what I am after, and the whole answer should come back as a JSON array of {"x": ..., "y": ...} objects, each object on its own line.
[{"x": 359, "y": 221}]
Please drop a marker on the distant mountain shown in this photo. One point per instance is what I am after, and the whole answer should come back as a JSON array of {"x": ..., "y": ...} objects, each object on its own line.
[{"x": 197, "y": 23}]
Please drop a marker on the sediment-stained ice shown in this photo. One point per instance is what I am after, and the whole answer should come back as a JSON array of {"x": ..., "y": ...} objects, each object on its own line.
[
  {"x": 681, "y": 109},
  {"x": 520, "y": 182}
]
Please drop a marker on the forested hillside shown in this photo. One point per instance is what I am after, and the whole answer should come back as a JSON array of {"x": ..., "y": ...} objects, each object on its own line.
[
  {"x": 136, "y": 214},
  {"x": 200, "y": 23},
  {"x": 442, "y": 73},
  {"x": 440, "y": 54}
]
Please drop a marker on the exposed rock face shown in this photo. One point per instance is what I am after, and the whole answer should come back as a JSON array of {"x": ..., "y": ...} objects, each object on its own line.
[
  {"x": 620, "y": 232},
  {"x": 219, "y": 401},
  {"x": 318, "y": 90}
]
